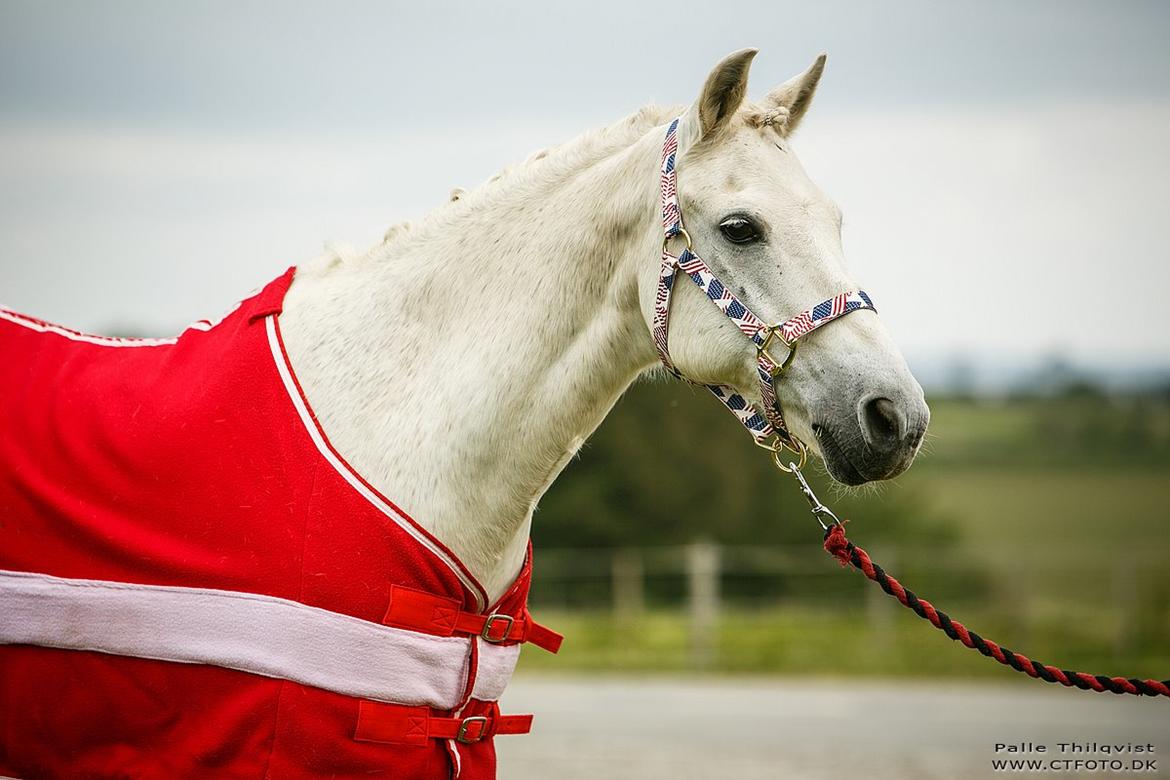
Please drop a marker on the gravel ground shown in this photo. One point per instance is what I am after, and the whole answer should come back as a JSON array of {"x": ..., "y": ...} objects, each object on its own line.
[{"x": 616, "y": 727}]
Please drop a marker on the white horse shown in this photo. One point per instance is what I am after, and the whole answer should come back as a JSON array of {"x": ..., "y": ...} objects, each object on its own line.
[
  {"x": 460, "y": 364},
  {"x": 168, "y": 524}
]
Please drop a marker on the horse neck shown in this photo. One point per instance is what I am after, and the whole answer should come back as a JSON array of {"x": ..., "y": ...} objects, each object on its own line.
[{"x": 459, "y": 369}]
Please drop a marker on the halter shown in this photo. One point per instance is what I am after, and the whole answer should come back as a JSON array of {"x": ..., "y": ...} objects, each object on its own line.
[{"x": 767, "y": 428}]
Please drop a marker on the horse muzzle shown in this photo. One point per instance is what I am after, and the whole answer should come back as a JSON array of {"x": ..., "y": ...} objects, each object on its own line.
[{"x": 876, "y": 439}]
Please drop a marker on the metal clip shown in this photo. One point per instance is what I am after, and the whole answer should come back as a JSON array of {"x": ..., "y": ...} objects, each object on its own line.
[{"x": 819, "y": 510}]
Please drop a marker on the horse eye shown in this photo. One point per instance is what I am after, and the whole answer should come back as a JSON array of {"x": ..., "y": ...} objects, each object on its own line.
[{"x": 739, "y": 230}]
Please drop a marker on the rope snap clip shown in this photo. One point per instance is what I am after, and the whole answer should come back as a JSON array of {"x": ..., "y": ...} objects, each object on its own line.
[{"x": 819, "y": 510}]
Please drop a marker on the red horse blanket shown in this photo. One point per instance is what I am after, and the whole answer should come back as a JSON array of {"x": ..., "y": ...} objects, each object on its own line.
[{"x": 194, "y": 583}]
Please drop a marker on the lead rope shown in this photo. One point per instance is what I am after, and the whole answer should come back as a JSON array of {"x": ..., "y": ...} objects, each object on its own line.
[{"x": 850, "y": 554}]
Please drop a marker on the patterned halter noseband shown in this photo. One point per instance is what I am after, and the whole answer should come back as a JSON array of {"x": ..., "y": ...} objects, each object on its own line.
[{"x": 768, "y": 428}]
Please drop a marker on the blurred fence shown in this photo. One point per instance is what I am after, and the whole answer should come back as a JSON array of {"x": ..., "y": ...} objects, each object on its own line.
[{"x": 703, "y": 583}]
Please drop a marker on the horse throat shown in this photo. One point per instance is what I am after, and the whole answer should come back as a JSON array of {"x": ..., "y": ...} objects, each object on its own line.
[{"x": 460, "y": 368}]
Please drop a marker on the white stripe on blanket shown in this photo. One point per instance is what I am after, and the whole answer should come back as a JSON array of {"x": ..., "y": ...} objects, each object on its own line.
[{"x": 251, "y": 633}]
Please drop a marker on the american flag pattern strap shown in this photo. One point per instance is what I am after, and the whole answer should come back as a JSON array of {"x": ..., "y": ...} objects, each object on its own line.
[
  {"x": 671, "y": 213},
  {"x": 762, "y": 425},
  {"x": 823, "y": 313}
]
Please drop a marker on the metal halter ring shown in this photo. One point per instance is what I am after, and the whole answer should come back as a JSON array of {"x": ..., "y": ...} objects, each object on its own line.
[
  {"x": 682, "y": 231},
  {"x": 762, "y": 350},
  {"x": 781, "y": 445}
]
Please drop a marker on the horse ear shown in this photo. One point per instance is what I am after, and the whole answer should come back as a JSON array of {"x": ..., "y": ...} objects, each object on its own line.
[
  {"x": 723, "y": 92},
  {"x": 796, "y": 94}
]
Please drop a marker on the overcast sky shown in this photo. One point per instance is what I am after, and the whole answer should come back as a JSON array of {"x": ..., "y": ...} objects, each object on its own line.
[{"x": 1003, "y": 166}]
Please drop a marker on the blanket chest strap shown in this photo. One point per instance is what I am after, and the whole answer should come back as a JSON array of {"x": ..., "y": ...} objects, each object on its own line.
[{"x": 418, "y": 610}]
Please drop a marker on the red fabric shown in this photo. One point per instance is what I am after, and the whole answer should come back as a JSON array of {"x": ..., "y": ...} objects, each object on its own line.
[{"x": 187, "y": 465}]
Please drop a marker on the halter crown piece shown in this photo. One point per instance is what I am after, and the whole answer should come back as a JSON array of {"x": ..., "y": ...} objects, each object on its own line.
[{"x": 767, "y": 428}]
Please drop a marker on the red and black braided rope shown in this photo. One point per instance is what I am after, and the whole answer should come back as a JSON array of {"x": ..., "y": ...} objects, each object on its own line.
[{"x": 848, "y": 553}]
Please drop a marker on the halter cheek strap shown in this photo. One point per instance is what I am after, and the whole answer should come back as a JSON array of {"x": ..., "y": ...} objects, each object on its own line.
[{"x": 767, "y": 428}]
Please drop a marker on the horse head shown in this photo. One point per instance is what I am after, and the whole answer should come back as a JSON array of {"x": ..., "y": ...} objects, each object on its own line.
[{"x": 773, "y": 238}]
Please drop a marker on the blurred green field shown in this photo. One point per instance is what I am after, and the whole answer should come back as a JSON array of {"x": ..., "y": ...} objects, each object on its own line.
[
  {"x": 1063, "y": 515},
  {"x": 1041, "y": 523},
  {"x": 1059, "y": 492},
  {"x": 838, "y": 642}
]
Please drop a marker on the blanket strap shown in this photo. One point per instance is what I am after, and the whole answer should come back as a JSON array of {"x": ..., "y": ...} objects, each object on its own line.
[
  {"x": 405, "y": 725},
  {"x": 418, "y": 610}
]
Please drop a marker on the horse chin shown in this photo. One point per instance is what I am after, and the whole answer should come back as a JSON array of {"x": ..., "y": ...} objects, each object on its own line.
[{"x": 837, "y": 462}]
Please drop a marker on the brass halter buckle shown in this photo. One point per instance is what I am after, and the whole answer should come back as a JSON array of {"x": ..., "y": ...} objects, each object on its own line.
[{"x": 762, "y": 350}]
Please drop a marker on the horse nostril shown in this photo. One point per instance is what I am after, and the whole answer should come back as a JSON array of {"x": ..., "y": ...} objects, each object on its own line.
[{"x": 882, "y": 423}]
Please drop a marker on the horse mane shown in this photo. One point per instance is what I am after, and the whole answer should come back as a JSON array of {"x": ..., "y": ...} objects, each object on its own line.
[
  {"x": 541, "y": 168},
  {"x": 587, "y": 148}
]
